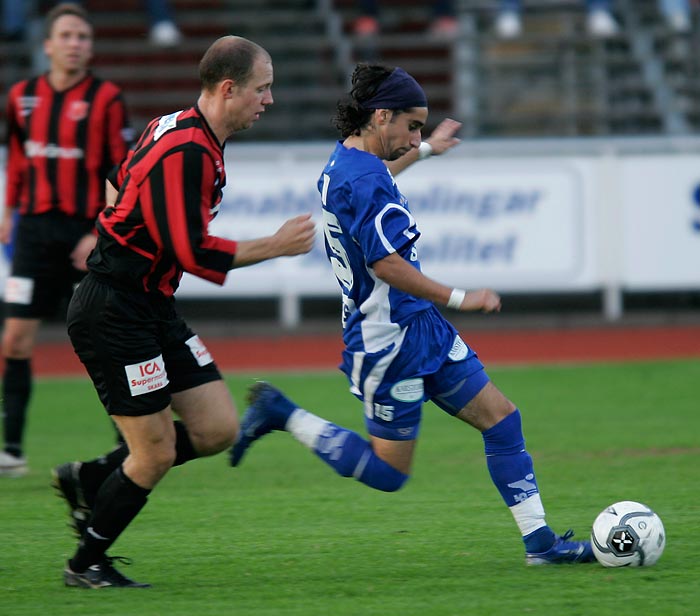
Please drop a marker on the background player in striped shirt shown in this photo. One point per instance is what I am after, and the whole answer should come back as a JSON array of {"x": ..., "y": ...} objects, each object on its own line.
[
  {"x": 399, "y": 350},
  {"x": 144, "y": 360},
  {"x": 66, "y": 130}
]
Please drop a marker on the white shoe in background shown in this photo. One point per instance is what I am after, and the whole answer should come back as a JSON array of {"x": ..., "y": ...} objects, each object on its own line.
[
  {"x": 601, "y": 24},
  {"x": 12, "y": 466},
  {"x": 165, "y": 34},
  {"x": 508, "y": 25}
]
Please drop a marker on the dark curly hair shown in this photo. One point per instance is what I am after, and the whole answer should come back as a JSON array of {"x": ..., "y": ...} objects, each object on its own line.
[{"x": 350, "y": 117}]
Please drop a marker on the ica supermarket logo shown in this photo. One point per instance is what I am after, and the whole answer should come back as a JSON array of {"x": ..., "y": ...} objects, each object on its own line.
[{"x": 146, "y": 376}]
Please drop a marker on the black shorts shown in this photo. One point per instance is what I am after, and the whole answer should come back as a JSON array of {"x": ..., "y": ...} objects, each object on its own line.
[
  {"x": 42, "y": 274},
  {"x": 136, "y": 347}
]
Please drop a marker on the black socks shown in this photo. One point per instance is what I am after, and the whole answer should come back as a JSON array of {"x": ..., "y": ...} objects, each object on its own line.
[
  {"x": 117, "y": 503},
  {"x": 93, "y": 474},
  {"x": 17, "y": 388}
]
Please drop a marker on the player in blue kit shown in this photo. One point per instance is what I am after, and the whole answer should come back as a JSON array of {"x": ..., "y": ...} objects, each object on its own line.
[{"x": 399, "y": 349}]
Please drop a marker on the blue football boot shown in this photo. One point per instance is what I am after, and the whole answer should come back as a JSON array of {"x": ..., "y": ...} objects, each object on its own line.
[
  {"x": 563, "y": 551},
  {"x": 269, "y": 410}
]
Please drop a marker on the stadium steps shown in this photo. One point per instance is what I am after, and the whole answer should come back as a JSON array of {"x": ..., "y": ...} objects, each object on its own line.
[
  {"x": 404, "y": 42},
  {"x": 156, "y": 81},
  {"x": 554, "y": 80}
]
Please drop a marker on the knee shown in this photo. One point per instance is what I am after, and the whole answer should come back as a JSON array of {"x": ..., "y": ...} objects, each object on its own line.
[
  {"x": 147, "y": 468},
  {"x": 17, "y": 345},
  {"x": 162, "y": 459},
  {"x": 215, "y": 439}
]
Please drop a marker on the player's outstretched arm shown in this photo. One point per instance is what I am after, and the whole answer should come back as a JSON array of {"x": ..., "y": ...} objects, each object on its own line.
[
  {"x": 440, "y": 140},
  {"x": 395, "y": 271},
  {"x": 294, "y": 237}
]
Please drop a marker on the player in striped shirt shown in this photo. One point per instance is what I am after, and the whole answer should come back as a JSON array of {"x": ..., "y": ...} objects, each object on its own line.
[
  {"x": 66, "y": 130},
  {"x": 144, "y": 360}
]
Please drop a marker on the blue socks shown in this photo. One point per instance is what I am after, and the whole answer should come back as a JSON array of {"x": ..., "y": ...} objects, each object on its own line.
[
  {"x": 351, "y": 456},
  {"x": 513, "y": 474},
  {"x": 540, "y": 540},
  {"x": 509, "y": 464}
]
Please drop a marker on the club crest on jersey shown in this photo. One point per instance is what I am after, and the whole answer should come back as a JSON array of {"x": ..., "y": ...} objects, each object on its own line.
[{"x": 78, "y": 110}]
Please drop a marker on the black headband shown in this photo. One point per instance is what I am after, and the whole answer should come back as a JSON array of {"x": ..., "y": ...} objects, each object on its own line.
[{"x": 398, "y": 91}]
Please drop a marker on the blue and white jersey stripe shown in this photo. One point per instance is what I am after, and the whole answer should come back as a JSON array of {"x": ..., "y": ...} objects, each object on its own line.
[{"x": 366, "y": 218}]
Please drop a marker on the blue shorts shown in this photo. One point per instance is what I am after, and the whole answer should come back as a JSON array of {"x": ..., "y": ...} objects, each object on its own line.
[{"x": 430, "y": 361}]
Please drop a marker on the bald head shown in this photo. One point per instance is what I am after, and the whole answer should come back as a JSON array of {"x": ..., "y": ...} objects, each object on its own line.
[{"x": 230, "y": 57}]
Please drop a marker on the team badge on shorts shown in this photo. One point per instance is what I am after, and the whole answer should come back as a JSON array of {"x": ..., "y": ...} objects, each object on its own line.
[
  {"x": 19, "y": 290},
  {"x": 146, "y": 376},
  {"x": 408, "y": 390},
  {"x": 459, "y": 349},
  {"x": 199, "y": 351}
]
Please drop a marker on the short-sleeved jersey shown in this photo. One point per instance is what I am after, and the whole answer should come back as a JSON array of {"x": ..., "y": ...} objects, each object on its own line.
[
  {"x": 366, "y": 218},
  {"x": 62, "y": 145},
  {"x": 170, "y": 188}
]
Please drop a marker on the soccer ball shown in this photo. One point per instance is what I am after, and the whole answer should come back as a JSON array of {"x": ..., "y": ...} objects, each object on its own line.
[{"x": 628, "y": 534}]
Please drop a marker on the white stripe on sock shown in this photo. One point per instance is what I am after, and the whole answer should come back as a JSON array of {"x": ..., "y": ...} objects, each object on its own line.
[
  {"x": 306, "y": 427},
  {"x": 359, "y": 469},
  {"x": 529, "y": 514}
]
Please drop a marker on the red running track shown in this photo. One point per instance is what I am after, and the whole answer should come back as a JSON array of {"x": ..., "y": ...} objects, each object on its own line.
[{"x": 322, "y": 352}]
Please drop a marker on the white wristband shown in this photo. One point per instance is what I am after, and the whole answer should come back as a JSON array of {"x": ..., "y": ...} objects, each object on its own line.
[
  {"x": 456, "y": 298},
  {"x": 425, "y": 150}
]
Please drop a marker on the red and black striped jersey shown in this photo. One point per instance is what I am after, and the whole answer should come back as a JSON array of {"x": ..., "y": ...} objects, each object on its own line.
[
  {"x": 62, "y": 145},
  {"x": 170, "y": 188}
]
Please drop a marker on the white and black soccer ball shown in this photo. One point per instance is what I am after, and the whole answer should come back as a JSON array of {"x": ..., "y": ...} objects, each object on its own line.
[{"x": 628, "y": 534}]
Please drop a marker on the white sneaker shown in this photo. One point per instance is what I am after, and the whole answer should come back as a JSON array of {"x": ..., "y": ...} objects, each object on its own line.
[
  {"x": 509, "y": 25},
  {"x": 165, "y": 34},
  {"x": 601, "y": 24},
  {"x": 12, "y": 466}
]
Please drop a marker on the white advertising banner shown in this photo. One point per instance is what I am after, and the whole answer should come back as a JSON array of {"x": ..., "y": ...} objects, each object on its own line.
[
  {"x": 258, "y": 198},
  {"x": 661, "y": 222},
  {"x": 517, "y": 223},
  {"x": 512, "y": 224},
  {"x": 509, "y": 224}
]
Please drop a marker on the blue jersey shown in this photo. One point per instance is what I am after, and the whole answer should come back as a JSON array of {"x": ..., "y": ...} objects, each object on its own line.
[
  {"x": 366, "y": 218},
  {"x": 399, "y": 349}
]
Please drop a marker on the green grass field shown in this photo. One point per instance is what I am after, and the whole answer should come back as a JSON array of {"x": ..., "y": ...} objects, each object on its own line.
[{"x": 283, "y": 534}]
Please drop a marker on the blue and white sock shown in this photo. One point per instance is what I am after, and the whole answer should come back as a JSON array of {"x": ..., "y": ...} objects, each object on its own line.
[
  {"x": 512, "y": 472},
  {"x": 344, "y": 451}
]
